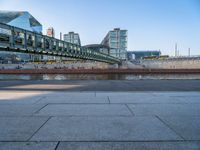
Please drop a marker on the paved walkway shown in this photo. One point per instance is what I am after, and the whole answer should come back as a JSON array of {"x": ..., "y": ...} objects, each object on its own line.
[
  {"x": 48, "y": 120},
  {"x": 101, "y": 85}
]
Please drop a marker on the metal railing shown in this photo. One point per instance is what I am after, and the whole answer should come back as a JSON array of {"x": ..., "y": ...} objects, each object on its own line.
[{"x": 19, "y": 40}]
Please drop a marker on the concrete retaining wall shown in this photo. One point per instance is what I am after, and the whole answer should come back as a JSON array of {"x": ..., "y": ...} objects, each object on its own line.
[
  {"x": 172, "y": 64},
  {"x": 87, "y": 65}
]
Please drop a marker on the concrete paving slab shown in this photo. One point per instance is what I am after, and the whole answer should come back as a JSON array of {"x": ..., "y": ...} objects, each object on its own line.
[
  {"x": 70, "y": 98},
  {"x": 181, "y": 97},
  {"x": 187, "y": 126},
  {"x": 123, "y": 94},
  {"x": 85, "y": 110},
  {"x": 143, "y": 100},
  {"x": 19, "y": 110},
  {"x": 20, "y": 97},
  {"x": 129, "y": 146},
  {"x": 188, "y": 99},
  {"x": 144, "y": 93},
  {"x": 104, "y": 129},
  {"x": 165, "y": 109},
  {"x": 19, "y": 128},
  {"x": 138, "y": 97},
  {"x": 28, "y": 145},
  {"x": 28, "y": 100},
  {"x": 176, "y": 93},
  {"x": 71, "y": 94}
]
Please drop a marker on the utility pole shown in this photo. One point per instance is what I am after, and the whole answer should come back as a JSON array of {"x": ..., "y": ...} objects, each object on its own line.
[
  {"x": 60, "y": 35},
  {"x": 189, "y": 52},
  {"x": 175, "y": 49}
]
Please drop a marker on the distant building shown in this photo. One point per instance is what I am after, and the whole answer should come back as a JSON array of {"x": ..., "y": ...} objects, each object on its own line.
[
  {"x": 24, "y": 20},
  {"x": 51, "y": 32},
  {"x": 72, "y": 37},
  {"x": 99, "y": 48},
  {"x": 117, "y": 41},
  {"x": 141, "y": 54}
]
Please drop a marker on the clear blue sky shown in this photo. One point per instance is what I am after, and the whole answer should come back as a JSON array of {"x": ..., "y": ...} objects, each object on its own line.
[{"x": 151, "y": 24}]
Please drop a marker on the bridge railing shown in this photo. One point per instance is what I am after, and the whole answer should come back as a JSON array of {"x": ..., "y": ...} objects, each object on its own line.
[{"x": 20, "y": 40}]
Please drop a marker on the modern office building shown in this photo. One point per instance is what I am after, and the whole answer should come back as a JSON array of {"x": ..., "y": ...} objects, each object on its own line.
[
  {"x": 72, "y": 37},
  {"x": 24, "y": 20},
  {"x": 99, "y": 48},
  {"x": 51, "y": 32},
  {"x": 141, "y": 54},
  {"x": 117, "y": 41}
]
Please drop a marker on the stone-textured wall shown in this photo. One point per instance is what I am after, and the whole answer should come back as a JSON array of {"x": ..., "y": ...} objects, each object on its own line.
[
  {"x": 172, "y": 63},
  {"x": 75, "y": 65}
]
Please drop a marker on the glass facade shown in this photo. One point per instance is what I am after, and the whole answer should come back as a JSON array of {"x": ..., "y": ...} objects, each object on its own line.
[
  {"x": 98, "y": 48},
  {"x": 20, "y": 19},
  {"x": 117, "y": 41},
  {"x": 72, "y": 37},
  {"x": 24, "y": 20}
]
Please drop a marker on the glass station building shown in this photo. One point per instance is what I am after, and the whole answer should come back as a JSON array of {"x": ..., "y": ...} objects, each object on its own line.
[
  {"x": 24, "y": 20},
  {"x": 117, "y": 41},
  {"x": 141, "y": 54},
  {"x": 99, "y": 48}
]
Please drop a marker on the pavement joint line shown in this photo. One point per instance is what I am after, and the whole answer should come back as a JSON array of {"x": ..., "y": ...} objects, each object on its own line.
[
  {"x": 185, "y": 96},
  {"x": 117, "y": 103},
  {"x": 39, "y": 128},
  {"x": 81, "y": 104},
  {"x": 26, "y": 141},
  {"x": 108, "y": 99},
  {"x": 40, "y": 109},
  {"x": 134, "y": 141},
  {"x": 129, "y": 109},
  {"x": 141, "y": 103},
  {"x": 57, "y": 146},
  {"x": 150, "y": 141},
  {"x": 89, "y": 90},
  {"x": 10, "y": 116},
  {"x": 96, "y": 116},
  {"x": 87, "y": 116},
  {"x": 95, "y": 93},
  {"x": 170, "y": 128}
]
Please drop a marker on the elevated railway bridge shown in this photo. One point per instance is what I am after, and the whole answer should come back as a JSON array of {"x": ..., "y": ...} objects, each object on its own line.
[{"x": 15, "y": 39}]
